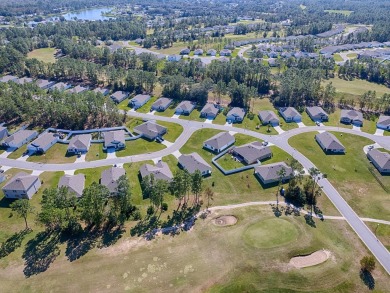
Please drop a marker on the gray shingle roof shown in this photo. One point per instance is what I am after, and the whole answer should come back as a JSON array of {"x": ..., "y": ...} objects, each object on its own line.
[
  {"x": 314, "y": 111},
  {"x": 253, "y": 151},
  {"x": 140, "y": 99},
  {"x": 384, "y": 120},
  {"x": 162, "y": 102},
  {"x": 160, "y": 172},
  {"x": 41, "y": 83},
  {"x": 352, "y": 115},
  {"x": 8, "y": 78},
  {"x": 111, "y": 136},
  {"x": 209, "y": 108},
  {"x": 193, "y": 162},
  {"x": 185, "y": 106},
  {"x": 221, "y": 139},
  {"x": 74, "y": 183},
  {"x": 150, "y": 129},
  {"x": 19, "y": 136},
  {"x": 110, "y": 177},
  {"x": 20, "y": 182},
  {"x": 44, "y": 139},
  {"x": 77, "y": 89},
  {"x": 329, "y": 141},
  {"x": 290, "y": 112},
  {"x": 267, "y": 116},
  {"x": 382, "y": 159},
  {"x": 80, "y": 141},
  {"x": 24, "y": 80},
  {"x": 119, "y": 96},
  {"x": 270, "y": 171},
  {"x": 236, "y": 111},
  {"x": 60, "y": 86}
]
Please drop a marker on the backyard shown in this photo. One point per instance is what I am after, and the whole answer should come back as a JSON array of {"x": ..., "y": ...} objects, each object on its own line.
[{"x": 43, "y": 54}]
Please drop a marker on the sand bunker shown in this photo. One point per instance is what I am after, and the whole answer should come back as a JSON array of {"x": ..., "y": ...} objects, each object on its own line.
[
  {"x": 223, "y": 221},
  {"x": 313, "y": 259}
]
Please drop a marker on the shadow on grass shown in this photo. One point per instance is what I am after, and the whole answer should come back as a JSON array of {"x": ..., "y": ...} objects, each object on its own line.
[
  {"x": 367, "y": 279},
  {"x": 13, "y": 243},
  {"x": 310, "y": 221}
]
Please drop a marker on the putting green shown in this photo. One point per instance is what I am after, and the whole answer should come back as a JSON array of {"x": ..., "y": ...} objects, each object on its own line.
[{"x": 270, "y": 233}]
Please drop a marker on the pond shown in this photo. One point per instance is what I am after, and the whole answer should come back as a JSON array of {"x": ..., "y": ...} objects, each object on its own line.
[{"x": 89, "y": 14}]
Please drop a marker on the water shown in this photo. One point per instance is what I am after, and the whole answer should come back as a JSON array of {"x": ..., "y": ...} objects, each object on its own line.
[{"x": 88, "y": 14}]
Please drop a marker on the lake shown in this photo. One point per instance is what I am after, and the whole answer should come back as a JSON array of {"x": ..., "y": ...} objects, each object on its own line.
[{"x": 88, "y": 14}]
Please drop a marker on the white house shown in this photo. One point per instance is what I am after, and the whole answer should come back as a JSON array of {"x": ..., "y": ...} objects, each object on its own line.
[{"x": 219, "y": 142}]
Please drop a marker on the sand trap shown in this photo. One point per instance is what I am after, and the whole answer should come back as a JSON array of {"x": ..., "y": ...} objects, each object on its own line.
[
  {"x": 223, "y": 221},
  {"x": 313, "y": 259}
]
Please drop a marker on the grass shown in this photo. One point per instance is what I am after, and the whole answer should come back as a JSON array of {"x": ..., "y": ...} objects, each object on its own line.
[
  {"x": 338, "y": 58},
  {"x": 146, "y": 108},
  {"x": 349, "y": 173},
  {"x": 334, "y": 120},
  {"x": 194, "y": 116},
  {"x": 173, "y": 130},
  {"x": 92, "y": 174},
  {"x": 18, "y": 153},
  {"x": 124, "y": 105},
  {"x": 343, "y": 12},
  {"x": 140, "y": 146},
  {"x": 307, "y": 120},
  {"x": 43, "y": 54},
  {"x": 352, "y": 55},
  {"x": 57, "y": 154},
  {"x": 96, "y": 152},
  {"x": 168, "y": 112}
]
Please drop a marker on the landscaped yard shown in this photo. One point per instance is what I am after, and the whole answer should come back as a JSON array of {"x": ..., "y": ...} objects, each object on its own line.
[
  {"x": 349, "y": 173},
  {"x": 18, "y": 153},
  {"x": 140, "y": 146},
  {"x": 92, "y": 174},
  {"x": 337, "y": 58},
  {"x": 57, "y": 154},
  {"x": 168, "y": 112},
  {"x": 124, "y": 105},
  {"x": 95, "y": 152},
  {"x": 194, "y": 116},
  {"x": 43, "y": 54},
  {"x": 146, "y": 108},
  {"x": 173, "y": 130}
]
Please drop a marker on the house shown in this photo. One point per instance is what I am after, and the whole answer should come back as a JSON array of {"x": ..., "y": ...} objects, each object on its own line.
[
  {"x": 19, "y": 138},
  {"x": 290, "y": 114},
  {"x": 198, "y": 52},
  {"x": 212, "y": 52},
  {"x": 317, "y": 114},
  {"x": 351, "y": 117},
  {"x": 219, "y": 142},
  {"x": 185, "y": 51},
  {"x": 329, "y": 143},
  {"x": 150, "y": 130},
  {"x": 138, "y": 101},
  {"x": 174, "y": 58},
  {"x": 79, "y": 144},
  {"x": 383, "y": 123},
  {"x": 24, "y": 80},
  {"x": 381, "y": 160},
  {"x": 77, "y": 89},
  {"x": 44, "y": 142},
  {"x": 114, "y": 140},
  {"x": 272, "y": 62},
  {"x": 160, "y": 172},
  {"x": 8, "y": 78},
  {"x": 225, "y": 52},
  {"x": 268, "y": 117},
  {"x": 185, "y": 108},
  {"x": 252, "y": 152},
  {"x": 161, "y": 104},
  {"x": 3, "y": 132},
  {"x": 74, "y": 183},
  {"x": 109, "y": 178},
  {"x": 193, "y": 162},
  {"x": 119, "y": 96},
  {"x": 45, "y": 84},
  {"x": 235, "y": 115},
  {"x": 22, "y": 185},
  {"x": 103, "y": 91},
  {"x": 60, "y": 86},
  {"x": 209, "y": 111},
  {"x": 271, "y": 173}
]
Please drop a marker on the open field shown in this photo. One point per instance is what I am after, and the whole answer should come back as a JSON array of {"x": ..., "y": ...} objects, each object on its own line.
[
  {"x": 349, "y": 173},
  {"x": 208, "y": 259},
  {"x": 55, "y": 155},
  {"x": 43, "y": 54},
  {"x": 343, "y": 12},
  {"x": 352, "y": 55}
]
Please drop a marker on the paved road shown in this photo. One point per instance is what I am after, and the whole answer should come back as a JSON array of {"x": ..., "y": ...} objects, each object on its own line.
[{"x": 365, "y": 234}]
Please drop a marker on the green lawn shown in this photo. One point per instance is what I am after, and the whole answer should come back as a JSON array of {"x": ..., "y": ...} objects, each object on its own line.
[
  {"x": 349, "y": 173},
  {"x": 92, "y": 174},
  {"x": 95, "y": 152},
  {"x": 146, "y": 108},
  {"x": 168, "y": 112},
  {"x": 220, "y": 119},
  {"x": 194, "y": 115},
  {"x": 334, "y": 120},
  {"x": 352, "y": 55},
  {"x": 338, "y": 58},
  {"x": 173, "y": 130},
  {"x": 44, "y": 54},
  {"x": 18, "y": 153},
  {"x": 57, "y": 154},
  {"x": 307, "y": 120},
  {"x": 343, "y": 12},
  {"x": 140, "y": 146},
  {"x": 124, "y": 105}
]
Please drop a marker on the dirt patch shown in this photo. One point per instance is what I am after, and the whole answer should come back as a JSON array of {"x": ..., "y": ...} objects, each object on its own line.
[
  {"x": 313, "y": 259},
  {"x": 224, "y": 221}
]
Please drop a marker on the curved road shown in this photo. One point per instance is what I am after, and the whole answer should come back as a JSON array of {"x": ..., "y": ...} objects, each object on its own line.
[{"x": 365, "y": 234}]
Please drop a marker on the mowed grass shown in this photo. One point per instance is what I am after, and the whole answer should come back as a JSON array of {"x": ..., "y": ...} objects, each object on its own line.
[
  {"x": 208, "y": 259},
  {"x": 349, "y": 173},
  {"x": 173, "y": 130},
  {"x": 337, "y": 58},
  {"x": 43, "y": 54},
  {"x": 146, "y": 108},
  {"x": 352, "y": 55},
  {"x": 96, "y": 152},
  {"x": 140, "y": 146},
  {"x": 57, "y": 154},
  {"x": 194, "y": 115}
]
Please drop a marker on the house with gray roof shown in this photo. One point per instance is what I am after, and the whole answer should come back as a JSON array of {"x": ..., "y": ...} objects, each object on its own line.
[
  {"x": 268, "y": 117},
  {"x": 24, "y": 80},
  {"x": 381, "y": 160},
  {"x": 109, "y": 178},
  {"x": 3, "y": 132},
  {"x": 383, "y": 123},
  {"x": 104, "y": 91},
  {"x": 185, "y": 51},
  {"x": 77, "y": 89},
  {"x": 60, "y": 86},
  {"x": 74, "y": 183},
  {"x": 19, "y": 138},
  {"x": 8, "y": 78},
  {"x": 209, "y": 111},
  {"x": 193, "y": 162},
  {"x": 317, "y": 114},
  {"x": 212, "y": 52},
  {"x": 329, "y": 143},
  {"x": 270, "y": 173},
  {"x": 138, "y": 101},
  {"x": 351, "y": 117},
  {"x": 219, "y": 142},
  {"x": 114, "y": 140},
  {"x": 198, "y": 52},
  {"x": 79, "y": 144},
  {"x": 119, "y": 96},
  {"x": 45, "y": 84},
  {"x": 185, "y": 108},
  {"x": 161, "y": 104},
  {"x": 160, "y": 171},
  {"x": 235, "y": 115},
  {"x": 174, "y": 58},
  {"x": 252, "y": 152},
  {"x": 22, "y": 185},
  {"x": 44, "y": 142},
  {"x": 2, "y": 178},
  {"x": 225, "y": 52},
  {"x": 150, "y": 130},
  {"x": 290, "y": 114}
]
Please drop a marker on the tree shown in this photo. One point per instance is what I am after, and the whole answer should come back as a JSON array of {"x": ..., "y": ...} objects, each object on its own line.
[
  {"x": 122, "y": 199},
  {"x": 315, "y": 175},
  {"x": 93, "y": 204},
  {"x": 209, "y": 194},
  {"x": 281, "y": 174},
  {"x": 23, "y": 208},
  {"x": 367, "y": 263},
  {"x": 196, "y": 186}
]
